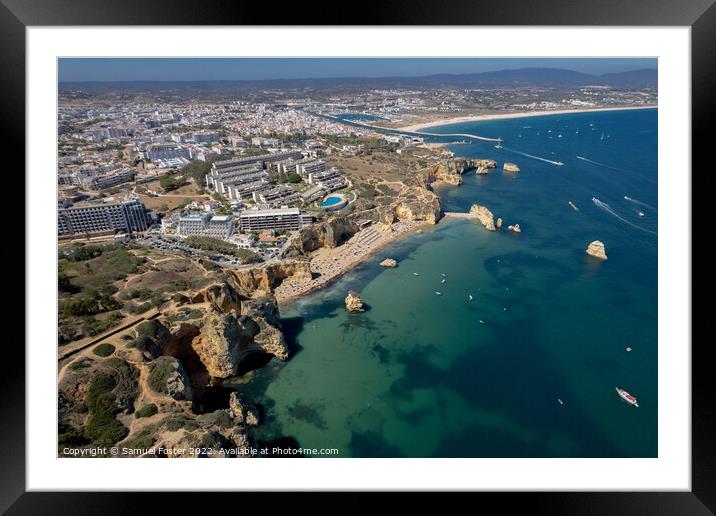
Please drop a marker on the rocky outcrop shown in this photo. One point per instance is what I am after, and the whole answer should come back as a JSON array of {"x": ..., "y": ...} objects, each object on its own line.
[
  {"x": 510, "y": 167},
  {"x": 450, "y": 171},
  {"x": 215, "y": 434},
  {"x": 221, "y": 295},
  {"x": 330, "y": 233},
  {"x": 484, "y": 215},
  {"x": 225, "y": 339},
  {"x": 597, "y": 250},
  {"x": 389, "y": 263},
  {"x": 516, "y": 228},
  {"x": 243, "y": 410},
  {"x": 483, "y": 166},
  {"x": 267, "y": 276},
  {"x": 167, "y": 376},
  {"x": 498, "y": 223},
  {"x": 353, "y": 302},
  {"x": 414, "y": 203}
]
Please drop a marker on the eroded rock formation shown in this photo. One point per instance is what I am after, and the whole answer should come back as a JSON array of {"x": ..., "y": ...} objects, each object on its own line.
[
  {"x": 389, "y": 263},
  {"x": 353, "y": 302},
  {"x": 510, "y": 167},
  {"x": 597, "y": 250},
  {"x": 330, "y": 233},
  {"x": 483, "y": 215}
]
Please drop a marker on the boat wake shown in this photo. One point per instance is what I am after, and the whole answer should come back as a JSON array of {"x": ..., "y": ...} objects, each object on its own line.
[
  {"x": 640, "y": 203},
  {"x": 558, "y": 163},
  {"x": 604, "y": 206}
]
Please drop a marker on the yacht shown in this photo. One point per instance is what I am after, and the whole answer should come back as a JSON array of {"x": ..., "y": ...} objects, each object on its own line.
[{"x": 627, "y": 397}]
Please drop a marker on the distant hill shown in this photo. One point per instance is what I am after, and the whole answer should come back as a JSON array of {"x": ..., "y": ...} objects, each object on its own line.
[{"x": 523, "y": 77}]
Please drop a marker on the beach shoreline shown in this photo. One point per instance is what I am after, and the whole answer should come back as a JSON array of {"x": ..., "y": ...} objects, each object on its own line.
[
  {"x": 332, "y": 264},
  {"x": 500, "y": 116}
]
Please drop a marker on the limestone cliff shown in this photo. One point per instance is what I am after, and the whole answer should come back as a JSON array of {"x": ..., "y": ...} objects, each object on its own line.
[
  {"x": 450, "y": 171},
  {"x": 225, "y": 339},
  {"x": 330, "y": 233},
  {"x": 414, "y": 203},
  {"x": 484, "y": 215},
  {"x": 267, "y": 276},
  {"x": 484, "y": 165}
]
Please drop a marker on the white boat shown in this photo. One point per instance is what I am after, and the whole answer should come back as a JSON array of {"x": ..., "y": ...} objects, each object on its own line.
[
  {"x": 628, "y": 349},
  {"x": 443, "y": 280},
  {"x": 438, "y": 293},
  {"x": 416, "y": 274},
  {"x": 627, "y": 397},
  {"x": 573, "y": 206},
  {"x": 560, "y": 401},
  {"x": 482, "y": 322},
  {"x": 641, "y": 213},
  {"x": 469, "y": 296}
]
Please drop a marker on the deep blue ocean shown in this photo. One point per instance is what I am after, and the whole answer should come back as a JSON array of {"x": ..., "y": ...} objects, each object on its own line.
[{"x": 427, "y": 375}]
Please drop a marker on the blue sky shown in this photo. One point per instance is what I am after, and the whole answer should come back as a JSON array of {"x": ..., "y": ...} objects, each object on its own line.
[{"x": 210, "y": 69}]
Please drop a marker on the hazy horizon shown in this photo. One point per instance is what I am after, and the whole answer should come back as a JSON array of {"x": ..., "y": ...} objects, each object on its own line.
[{"x": 257, "y": 69}]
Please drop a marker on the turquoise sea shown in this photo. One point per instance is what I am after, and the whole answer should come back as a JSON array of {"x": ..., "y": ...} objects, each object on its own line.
[{"x": 427, "y": 375}]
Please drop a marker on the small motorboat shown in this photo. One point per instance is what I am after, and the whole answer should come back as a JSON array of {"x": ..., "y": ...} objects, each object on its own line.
[
  {"x": 641, "y": 213},
  {"x": 560, "y": 401},
  {"x": 628, "y": 349},
  {"x": 438, "y": 293},
  {"x": 416, "y": 274},
  {"x": 627, "y": 397},
  {"x": 469, "y": 296},
  {"x": 443, "y": 280},
  {"x": 482, "y": 322}
]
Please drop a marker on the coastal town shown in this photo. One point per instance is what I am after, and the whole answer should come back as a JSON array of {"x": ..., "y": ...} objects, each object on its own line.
[{"x": 188, "y": 219}]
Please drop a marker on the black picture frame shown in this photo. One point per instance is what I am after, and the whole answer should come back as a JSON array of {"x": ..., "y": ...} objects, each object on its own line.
[{"x": 700, "y": 15}]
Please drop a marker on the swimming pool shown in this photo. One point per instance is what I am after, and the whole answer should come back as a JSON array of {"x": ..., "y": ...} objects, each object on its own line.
[
  {"x": 334, "y": 203},
  {"x": 331, "y": 201}
]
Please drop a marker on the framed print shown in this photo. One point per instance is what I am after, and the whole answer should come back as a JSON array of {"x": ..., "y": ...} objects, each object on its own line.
[{"x": 436, "y": 254}]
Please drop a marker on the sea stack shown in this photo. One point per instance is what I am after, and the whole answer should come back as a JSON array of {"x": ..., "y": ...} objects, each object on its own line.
[
  {"x": 596, "y": 249},
  {"x": 389, "y": 262},
  {"x": 484, "y": 215},
  {"x": 510, "y": 167},
  {"x": 353, "y": 302},
  {"x": 498, "y": 224},
  {"x": 516, "y": 228}
]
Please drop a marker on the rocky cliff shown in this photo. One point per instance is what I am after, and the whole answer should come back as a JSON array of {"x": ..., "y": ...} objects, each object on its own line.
[
  {"x": 330, "y": 233},
  {"x": 450, "y": 171},
  {"x": 484, "y": 215},
  {"x": 483, "y": 166},
  {"x": 267, "y": 276},
  {"x": 414, "y": 203},
  {"x": 227, "y": 338}
]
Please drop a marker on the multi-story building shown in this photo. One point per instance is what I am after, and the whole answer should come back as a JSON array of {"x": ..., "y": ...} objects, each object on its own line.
[
  {"x": 277, "y": 196},
  {"x": 205, "y": 224},
  {"x": 317, "y": 178},
  {"x": 281, "y": 218},
  {"x": 128, "y": 215},
  {"x": 263, "y": 160},
  {"x": 107, "y": 180},
  {"x": 309, "y": 166}
]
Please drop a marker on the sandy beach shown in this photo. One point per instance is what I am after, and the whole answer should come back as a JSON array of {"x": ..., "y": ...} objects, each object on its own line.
[
  {"x": 328, "y": 265},
  {"x": 498, "y": 116}
]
